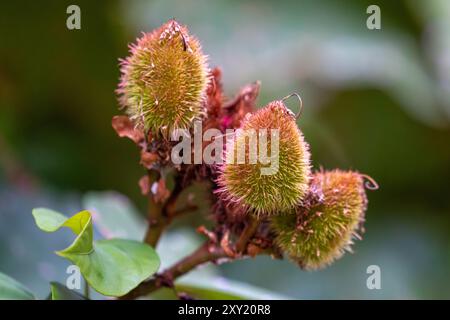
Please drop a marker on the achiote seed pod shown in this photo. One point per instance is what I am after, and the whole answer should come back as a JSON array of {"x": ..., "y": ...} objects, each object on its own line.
[
  {"x": 273, "y": 186},
  {"x": 319, "y": 232},
  {"x": 164, "y": 79}
]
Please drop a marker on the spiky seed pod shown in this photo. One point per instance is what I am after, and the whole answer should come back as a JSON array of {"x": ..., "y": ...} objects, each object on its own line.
[
  {"x": 163, "y": 81},
  {"x": 267, "y": 194},
  {"x": 319, "y": 232}
]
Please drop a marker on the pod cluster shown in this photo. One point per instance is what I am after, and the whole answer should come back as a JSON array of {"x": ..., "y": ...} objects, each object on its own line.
[{"x": 313, "y": 217}]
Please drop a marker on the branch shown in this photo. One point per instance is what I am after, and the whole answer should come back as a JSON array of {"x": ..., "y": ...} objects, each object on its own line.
[
  {"x": 247, "y": 234},
  {"x": 161, "y": 215},
  {"x": 205, "y": 253},
  {"x": 156, "y": 221}
]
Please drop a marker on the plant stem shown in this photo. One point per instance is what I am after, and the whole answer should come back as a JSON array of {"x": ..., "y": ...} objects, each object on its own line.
[
  {"x": 205, "y": 253},
  {"x": 160, "y": 215},
  {"x": 156, "y": 223},
  {"x": 87, "y": 292},
  {"x": 247, "y": 234}
]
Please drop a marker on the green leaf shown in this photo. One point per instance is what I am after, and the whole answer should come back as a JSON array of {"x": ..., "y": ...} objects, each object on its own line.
[
  {"x": 112, "y": 267},
  {"x": 81, "y": 224},
  {"x": 116, "y": 266},
  {"x": 10, "y": 289},
  {"x": 61, "y": 292},
  {"x": 48, "y": 220},
  {"x": 217, "y": 287},
  {"x": 204, "y": 293}
]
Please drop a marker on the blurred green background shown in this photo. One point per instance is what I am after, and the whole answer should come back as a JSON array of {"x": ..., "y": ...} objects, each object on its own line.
[{"x": 375, "y": 100}]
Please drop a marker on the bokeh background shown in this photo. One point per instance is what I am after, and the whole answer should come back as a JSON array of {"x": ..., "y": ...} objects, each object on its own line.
[{"x": 375, "y": 100}]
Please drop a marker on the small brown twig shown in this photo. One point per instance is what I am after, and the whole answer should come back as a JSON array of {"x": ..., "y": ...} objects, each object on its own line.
[
  {"x": 155, "y": 219},
  {"x": 205, "y": 253},
  {"x": 247, "y": 234},
  {"x": 161, "y": 211},
  {"x": 161, "y": 215}
]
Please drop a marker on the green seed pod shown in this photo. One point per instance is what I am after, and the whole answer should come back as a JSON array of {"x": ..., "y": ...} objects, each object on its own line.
[
  {"x": 283, "y": 186},
  {"x": 164, "y": 80},
  {"x": 319, "y": 232}
]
